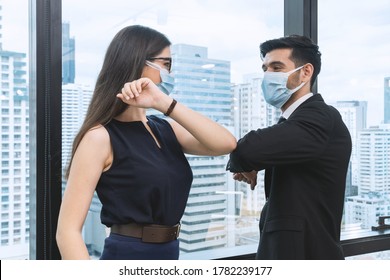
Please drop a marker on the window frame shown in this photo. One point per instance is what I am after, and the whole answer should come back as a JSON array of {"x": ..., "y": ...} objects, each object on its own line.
[{"x": 45, "y": 86}]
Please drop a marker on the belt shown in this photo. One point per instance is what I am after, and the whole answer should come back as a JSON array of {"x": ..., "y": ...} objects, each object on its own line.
[{"x": 149, "y": 233}]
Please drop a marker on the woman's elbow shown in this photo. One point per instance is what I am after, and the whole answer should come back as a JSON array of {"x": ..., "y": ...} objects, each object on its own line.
[
  {"x": 60, "y": 237},
  {"x": 232, "y": 145},
  {"x": 63, "y": 236},
  {"x": 228, "y": 147}
]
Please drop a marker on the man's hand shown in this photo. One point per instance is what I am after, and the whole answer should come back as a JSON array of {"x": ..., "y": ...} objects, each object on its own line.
[{"x": 247, "y": 177}]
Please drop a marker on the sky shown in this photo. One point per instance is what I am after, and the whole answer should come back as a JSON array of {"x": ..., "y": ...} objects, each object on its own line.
[{"x": 353, "y": 37}]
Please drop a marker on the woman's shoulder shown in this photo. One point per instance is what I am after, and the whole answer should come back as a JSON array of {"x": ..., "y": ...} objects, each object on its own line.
[
  {"x": 97, "y": 135},
  {"x": 95, "y": 145}
]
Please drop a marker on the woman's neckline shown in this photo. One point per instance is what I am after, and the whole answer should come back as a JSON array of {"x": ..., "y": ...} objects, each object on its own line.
[{"x": 132, "y": 121}]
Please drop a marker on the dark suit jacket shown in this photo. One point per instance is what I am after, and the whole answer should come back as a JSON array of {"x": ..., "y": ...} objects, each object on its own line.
[{"x": 306, "y": 160}]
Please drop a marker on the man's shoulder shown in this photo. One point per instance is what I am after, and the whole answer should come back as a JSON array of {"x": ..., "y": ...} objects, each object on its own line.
[
  {"x": 316, "y": 109},
  {"x": 316, "y": 102}
]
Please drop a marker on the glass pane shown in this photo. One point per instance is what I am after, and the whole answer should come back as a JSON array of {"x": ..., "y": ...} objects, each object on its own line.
[
  {"x": 217, "y": 69},
  {"x": 354, "y": 40},
  {"x": 14, "y": 125}
]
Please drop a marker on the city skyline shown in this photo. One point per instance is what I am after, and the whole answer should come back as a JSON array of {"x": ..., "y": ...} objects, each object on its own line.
[
  {"x": 216, "y": 58},
  {"x": 353, "y": 69}
]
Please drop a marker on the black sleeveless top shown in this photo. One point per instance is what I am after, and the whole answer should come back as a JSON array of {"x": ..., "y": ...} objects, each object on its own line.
[{"x": 145, "y": 184}]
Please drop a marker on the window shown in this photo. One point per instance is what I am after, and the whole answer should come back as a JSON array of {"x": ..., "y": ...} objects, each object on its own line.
[
  {"x": 362, "y": 96},
  {"x": 14, "y": 116},
  {"x": 225, "y": 216},
  {"x": 232, "y": 209}
]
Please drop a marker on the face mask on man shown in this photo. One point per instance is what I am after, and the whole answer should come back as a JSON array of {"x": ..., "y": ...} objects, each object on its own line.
[
  {"x": 275, "y": 89},
  {"x": 167, "y": 80}
]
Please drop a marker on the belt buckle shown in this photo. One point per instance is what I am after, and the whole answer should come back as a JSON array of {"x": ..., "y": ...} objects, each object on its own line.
[{"x": 178, "y": 230}]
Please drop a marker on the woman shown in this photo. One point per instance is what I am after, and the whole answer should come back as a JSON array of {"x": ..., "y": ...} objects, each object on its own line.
[{"x": 135, "y": 162}]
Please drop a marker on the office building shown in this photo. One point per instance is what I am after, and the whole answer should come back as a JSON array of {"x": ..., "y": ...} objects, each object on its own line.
[
  {"x": 14, "y": 156},
  {"x": 374, "y": 158},
  {"x": 364, "y": 209},
  {"x": 68, "y": 55},
  {"x": 387, "y": 100},
  {"x": 75, "y": 100},
  {"x": 203, "y": 84},
  {"x": 251, "y": 112},
  {"x": 373, "y": 199},
  {"x": 354, "y": 115},
  {"x": 282, "y": 18}
]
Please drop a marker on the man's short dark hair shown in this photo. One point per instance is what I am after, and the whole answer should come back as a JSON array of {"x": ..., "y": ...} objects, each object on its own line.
[{"x": 303, "y": 51}]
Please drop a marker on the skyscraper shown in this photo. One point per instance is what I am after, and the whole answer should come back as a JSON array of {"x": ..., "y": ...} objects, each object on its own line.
[
  {"x": 374, "y": 158},
  {"x": 373, "y": 199},
  {"x": 75, "y": 100},
  {"x": 203, "y": 84},
  {"x": 14, "y": 156},
  {"x": 251, "y": 112},
  {"x": 354, "y": 115},
  {"x": 387, "y": 100},
  {"x": 68, "y": 55}
]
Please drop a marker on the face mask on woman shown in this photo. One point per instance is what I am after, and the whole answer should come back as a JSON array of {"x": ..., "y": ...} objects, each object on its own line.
[
  {"x": 167, "y": 80},
  {"x": 275, "y": 89}
]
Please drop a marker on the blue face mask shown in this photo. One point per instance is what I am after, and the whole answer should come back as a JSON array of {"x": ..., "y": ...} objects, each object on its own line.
[
  {"x": 167, "y": 80},
  {"x": 275, "y": 89}
]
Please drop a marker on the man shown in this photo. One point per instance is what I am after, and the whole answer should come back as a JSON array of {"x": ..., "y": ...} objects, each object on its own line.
[{"x": 305, "y": 158}]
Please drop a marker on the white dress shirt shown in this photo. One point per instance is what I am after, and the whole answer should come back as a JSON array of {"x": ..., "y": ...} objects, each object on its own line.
[{"x": 286, "y": 114}]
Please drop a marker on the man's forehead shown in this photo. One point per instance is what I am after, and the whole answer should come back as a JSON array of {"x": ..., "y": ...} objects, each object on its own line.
[
  {"x": 282, "y": 53},
  {"x": 277, "y": 55}
]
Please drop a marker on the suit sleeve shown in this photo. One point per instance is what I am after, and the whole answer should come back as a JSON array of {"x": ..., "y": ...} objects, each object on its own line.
[{"x": 304, "y": 136}]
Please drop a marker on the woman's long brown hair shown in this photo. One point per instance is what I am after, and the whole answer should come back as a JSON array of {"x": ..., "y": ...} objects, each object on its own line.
[{"x": 123, "y": 62}]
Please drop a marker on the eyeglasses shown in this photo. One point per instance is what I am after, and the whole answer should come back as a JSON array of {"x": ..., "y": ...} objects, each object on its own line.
[{"x": 167, "y": 61}]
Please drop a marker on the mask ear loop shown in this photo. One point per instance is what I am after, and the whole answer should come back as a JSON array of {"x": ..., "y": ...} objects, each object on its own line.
[
  {"x": 294, "y": 70},
  {"x": 301, "y": 85}
]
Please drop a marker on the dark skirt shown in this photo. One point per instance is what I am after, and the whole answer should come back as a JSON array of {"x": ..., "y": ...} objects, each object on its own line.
[{"x": 119, "y": 247}]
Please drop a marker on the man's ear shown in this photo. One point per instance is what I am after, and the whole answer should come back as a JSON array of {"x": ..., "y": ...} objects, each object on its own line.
[{"x": 307, "y": 72}]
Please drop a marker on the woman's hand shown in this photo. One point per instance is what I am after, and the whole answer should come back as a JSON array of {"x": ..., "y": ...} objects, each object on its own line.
[
  {"x": 196, "y": 133},
  {"x": 143, "y": 93}
]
